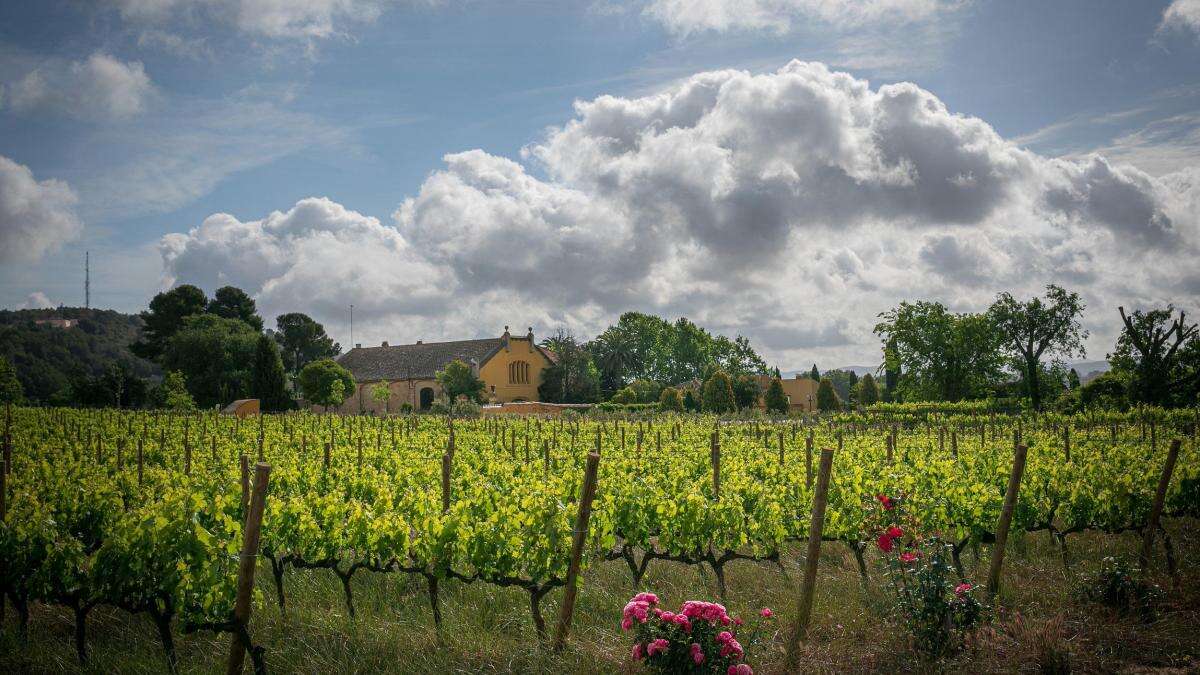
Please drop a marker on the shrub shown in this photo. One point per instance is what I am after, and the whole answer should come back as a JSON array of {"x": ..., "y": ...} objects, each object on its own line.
[
  {"x": 1118, "y": 584},
  {"x": 440, "y": 406},
  {"x": 717, "y": 393},
  {"x": 827, "y": 398},
  {"x": 465, "y": 407},
  {"x": 406, "y": 407},
  {"x": 670, "y": 400},
  {"x": 647, "y": 391},
  {"x": 326, "y": 383},
  {"x": 690, "y": 403},
  {"x": 457, "y": 379},
  {"x": 625, "y": 396},
  {"x": 868, "y": 391},
  {"x": 938, "y": 611},
  {"x": 775, "y": 400},
  {"x": 700, "y": 638}
]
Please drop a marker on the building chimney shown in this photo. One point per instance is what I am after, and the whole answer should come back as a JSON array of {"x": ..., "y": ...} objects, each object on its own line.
[
  {"x": 504, "y": 338},
  {"x": 384, "y": 343},
  {"x": 358, "y": 345},
  {"x": 420, "y": 342}
]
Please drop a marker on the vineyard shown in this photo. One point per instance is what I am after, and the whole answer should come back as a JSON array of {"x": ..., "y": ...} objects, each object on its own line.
[{"x": 144, "y": 512}]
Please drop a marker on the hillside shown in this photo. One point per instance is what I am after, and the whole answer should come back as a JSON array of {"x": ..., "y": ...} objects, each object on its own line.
[{"x": 49, "y": 357}]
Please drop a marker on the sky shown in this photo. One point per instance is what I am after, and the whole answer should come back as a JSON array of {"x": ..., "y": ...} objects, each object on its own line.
[{"x": 782, "y": 169}]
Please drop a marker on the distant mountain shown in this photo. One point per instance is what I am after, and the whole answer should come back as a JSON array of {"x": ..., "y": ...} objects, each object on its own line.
[
  {"x": 1090, "y": 370},
  {"x": 861, "y": 370},
  {"x": 52, "y": 348}
]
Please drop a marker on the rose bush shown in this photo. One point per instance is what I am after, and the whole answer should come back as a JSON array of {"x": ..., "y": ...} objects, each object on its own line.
[{"x": 700, "y": 638}]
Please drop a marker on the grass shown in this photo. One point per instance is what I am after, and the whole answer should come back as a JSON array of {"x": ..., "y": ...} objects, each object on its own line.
[{"x": 488, "y": 630}]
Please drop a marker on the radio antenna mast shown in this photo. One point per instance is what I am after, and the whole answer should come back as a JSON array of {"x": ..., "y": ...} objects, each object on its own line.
[{"x": 87, "y": 280}]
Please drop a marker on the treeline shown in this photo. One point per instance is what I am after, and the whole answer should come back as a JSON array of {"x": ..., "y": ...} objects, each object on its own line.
[
  {"x": 1017, "y": 350},
  {"x": 186, "y": 350}
]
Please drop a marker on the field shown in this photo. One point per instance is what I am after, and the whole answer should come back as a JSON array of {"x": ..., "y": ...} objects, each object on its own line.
[{"x": 361, "y": 526}]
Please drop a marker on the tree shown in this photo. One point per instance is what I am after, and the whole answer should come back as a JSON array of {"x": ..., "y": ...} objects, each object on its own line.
[
  {"x": 737, "y": 357},
  {"x": 216, "y": 356},
  {"x": 717, "y": 393},
  {"x": 669, "y": 400},
  {"x": 844, "y": 383},
  {"x": 325, "y": 383},
  {"x": 10, "y": 387},
  {"x": 1073, "y": 379},
  {"x": 1039, "y": 327},
  {"x": 269, "y": 385},
  {"x": 814, "y": 374},
  {"x": 302, "y": 340},
  {"x": 381, "y": 393},
  {"x": 457, "y": 379},
  {"x": 573, "y": 377},
  {"x": 775, "y": 400},
  {"x": 233, "y": 303},
  {"x": 868, "y": 391},
  {"x": 891, "y": 369},
  {"x": 1108, "y": 391},
  {"x": 172, "y": 394},
  {"x": 827, "y": 398},
  {"x": 690, "y": 403},
  {"x": 746, "y": 391},
  {"x": 945, "y": 356},
  {"x": 166, "y": 316},
  {"x": 625, "y": 396},
  {"x": 1160, "y": 356},
  {"x": 647, "y": 390}
]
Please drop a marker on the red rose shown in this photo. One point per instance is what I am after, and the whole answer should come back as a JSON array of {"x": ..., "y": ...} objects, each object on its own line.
[{"x": 885, "y": 543}]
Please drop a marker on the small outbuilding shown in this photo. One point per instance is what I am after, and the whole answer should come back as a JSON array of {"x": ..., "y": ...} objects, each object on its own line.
[{"x": 244, "y": 407}]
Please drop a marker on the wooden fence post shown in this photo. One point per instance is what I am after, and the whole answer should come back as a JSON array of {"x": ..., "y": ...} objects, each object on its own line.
[
  {"x": 1006, "y": 514},
  {"x": 246, "y": 566},
  {"x": 579, "y": 539},
  {"x": 808, "y": 472},
  {"x": 816, "y": 526},
  {"x": 446, "y": 460},
  {"x": 715, "y": 455},
  {"x": 245, "y": 465},
  {"x": 1156, "y": 508}
]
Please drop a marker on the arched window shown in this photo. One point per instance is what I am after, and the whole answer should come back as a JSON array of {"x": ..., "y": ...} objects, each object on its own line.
[{"x": 518, "y": 372}]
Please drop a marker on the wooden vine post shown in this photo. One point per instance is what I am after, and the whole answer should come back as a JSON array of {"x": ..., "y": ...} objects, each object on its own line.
[
  {"x": 246, "y": 565},
  {"x": 578, "y": 540},
  {"x": 715, "y": 454},
  {"x": 1006, "y": 514},
  {"x": 816, "y": 526},
  {"x": 1156, "y": 508}
]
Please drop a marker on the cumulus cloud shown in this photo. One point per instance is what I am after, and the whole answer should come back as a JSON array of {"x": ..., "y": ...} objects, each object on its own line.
[
  {"x": 100, "y": 86},
  {"x": 1182, "y": 15},
  {"x": 37, "y": 300},
  {"x": 277, "y": 19},
  {"x": 693, "y": 16},
  {"x": 36, "y": 217},
  {"x": 791, "y": 206}
]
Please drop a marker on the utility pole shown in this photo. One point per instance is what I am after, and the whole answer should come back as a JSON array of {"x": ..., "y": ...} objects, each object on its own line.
[{"x": 87, "y": 280}]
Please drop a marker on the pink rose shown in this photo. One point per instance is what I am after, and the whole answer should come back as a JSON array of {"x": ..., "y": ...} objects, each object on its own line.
[
  {"x": 697, "y": 654},
  {"x": 909, "y": 556},
  {"x": 637, "y": 652},
  {"x": 724, "y": 636},
  {"x": 657, "y": 647},
  {"x": 766, "y": 613},
  {"x": 626, "y": 623},
  {"x": 884, "y": 542},
  {"x": 962, "y": 588},
  {"x": 743, "y": 669}
]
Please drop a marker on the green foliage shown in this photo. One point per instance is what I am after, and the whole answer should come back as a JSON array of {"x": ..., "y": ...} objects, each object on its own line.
[
  {"x": 440, "y": 406},
  {"x": 775, "y": 400},
  {"x": 717, "y": 393},
  {"x": 690, "y": 402},
  {"x": 172, "y": 394},
  {"x": 573, "y": 377},
  {"x": 1039, "y": 328},
  {"x": 746, "y": 391},
  {"x": 1107, "y": 391},
  {"x": 625, "y": 396},
  {"x": 845, "y": 383},
  {"x": 670, "y": 400},
  {"x": 269, "y": 385},
  {"x": 10, "y": 387},
  {"x": 457, "y": 379},
  {"x": 465, "y": 407},
  {"x": 814, "y": 374},
  {"x": 118, "y": 387},
  {"x": 233, "y": 303},
  {"x": 302, "y": 340},
  {"x": 646, "y": 347},
  {"x": 166, "y": 316},
  {"x": 216, "y": 356},
  {"x": 325, "y": 383},
  {"x": 945, "y": 356},
  {"x": 827, "y": 398},
  {"x": 1119, "y": 585},
  {"x": 1159, "y": 354},
  {"x": 53, "y": 364},
  {"x": 647, "y": 391},
  {"x": 868, "y": 391},
  {"x": 381, "y": 393}
]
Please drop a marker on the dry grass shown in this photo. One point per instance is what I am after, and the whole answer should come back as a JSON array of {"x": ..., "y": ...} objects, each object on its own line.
[{"x": 1039, "y": 626}]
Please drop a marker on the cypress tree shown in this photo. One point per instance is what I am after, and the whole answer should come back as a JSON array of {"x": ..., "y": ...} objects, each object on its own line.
[
  {"x": 717, "y": 393},
  {"x": 775, "y": 399},
  {"x": 269, "y": 383},
  {"x": 868, "y": 390},
  {"x": 815, "y": 374},
  {"x": 827, "y": 398}
]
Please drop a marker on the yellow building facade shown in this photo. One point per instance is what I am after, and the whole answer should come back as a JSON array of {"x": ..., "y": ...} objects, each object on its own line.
[{"x": 510, "y": 367}]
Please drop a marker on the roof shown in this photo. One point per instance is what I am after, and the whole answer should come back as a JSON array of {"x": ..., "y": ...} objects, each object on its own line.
[
  {"x": 420, "y": 360},
  {"x": 232, "y": 407}
]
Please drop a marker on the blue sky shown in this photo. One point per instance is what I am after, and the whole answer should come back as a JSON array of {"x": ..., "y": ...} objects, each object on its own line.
[{"x": 1068, "y": 134}]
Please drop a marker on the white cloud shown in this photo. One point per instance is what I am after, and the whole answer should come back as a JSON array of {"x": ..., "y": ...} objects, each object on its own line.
[
  {"x": 100, "y": 87},
  {"x": 36, "y": 217},
  {"x": 791, "y": 206},
  {"x": 37, "y": 300},
  {"x": 684, "y": 17},
  {"x": 1183, "y": 15}
]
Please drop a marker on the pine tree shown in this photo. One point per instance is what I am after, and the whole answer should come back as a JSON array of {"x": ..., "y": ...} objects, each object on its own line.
[
  {"x": 775, "y": 399},
  {"x": 814, "y": 374},
  {"x": 868, "y": 390},
  {"x": 269, "y": 385},
  {"x": 1073, "y": 379}
]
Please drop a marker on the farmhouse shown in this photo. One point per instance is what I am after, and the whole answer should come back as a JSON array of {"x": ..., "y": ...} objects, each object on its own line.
[
  {"x": 801, "y": 392},
  {"x": 510, "y": 367}
]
